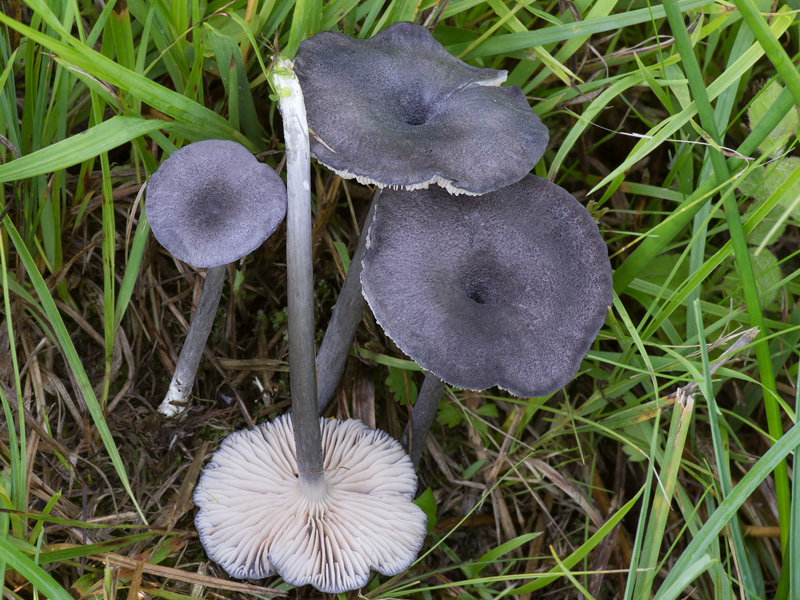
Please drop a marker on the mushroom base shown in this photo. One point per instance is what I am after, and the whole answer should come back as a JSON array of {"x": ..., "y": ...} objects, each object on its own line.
[{"x": 254, "y": 518}]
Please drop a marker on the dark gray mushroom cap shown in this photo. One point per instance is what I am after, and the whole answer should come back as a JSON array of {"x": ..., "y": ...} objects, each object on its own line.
[
  {"x": 397, "y": 110},
  {"x": 506, "y": 289},
  {"x": 255, "y": 519},
  {"x": 211, "y": 203}
]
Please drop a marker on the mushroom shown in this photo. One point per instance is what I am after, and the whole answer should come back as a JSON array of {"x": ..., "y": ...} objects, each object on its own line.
[
  {"x": 210, "y": 203},
  {"x": 508, "y": 289},
  {"x": 397, "y": 110},
  {"x": 326, "y": 501},
  {"x": 257, "y": 516}
]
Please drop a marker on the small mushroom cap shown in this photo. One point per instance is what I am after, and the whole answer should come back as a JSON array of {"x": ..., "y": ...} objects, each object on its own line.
[
  {"x": 254, "y": 519},
  {"x": 397, "y": 110},
  {"x": 211, "y": 203},
  {"x": 506, "y": 289}
]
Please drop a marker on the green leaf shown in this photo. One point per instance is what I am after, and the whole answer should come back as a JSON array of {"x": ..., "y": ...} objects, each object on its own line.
[
  {"x": 341, "y": 250},
  {"x": 467, "y": 473},
  {"x": 402, "y": 386},
  {"x": 449, "y": 415},
  {"x": 427, "y": 502},
  {"x": 776, "y": 141},
  {"x": 762, "y": 234},
  {"x": 768, "y": 276}
]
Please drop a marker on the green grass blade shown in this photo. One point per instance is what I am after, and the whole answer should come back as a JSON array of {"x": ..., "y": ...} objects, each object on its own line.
[
  {"x": 656, "y": 525},
  {"x": 16, "y": 442},
  {"x": 636, "y": 341},
  {"x": 722, "y": 113},
  {"x": 581, "y": 553},
  {"x": 167, "y": 101},
  {"x": 305, "y": 23},
  {"x": 794, "y": 539},
  {"x": 722, "y": 461},
  {"x": 78, "y": 148},
  {"x": 666, "y": 129},
  {"x": 132, "y": 268},
  {"x": 40, "y": 579},
  {"x": 234, "y": 78},
  {"x": 516, "y": 42},
  {"x": 692, "y": 572},
  {"x": 745, "y": 269},
  {"x": 772, "y": 47},
  {"x": 726, "y": 511}
]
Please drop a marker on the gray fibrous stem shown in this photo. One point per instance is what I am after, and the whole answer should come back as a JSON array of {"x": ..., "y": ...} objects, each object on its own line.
[
  {"x": 346, "y": 316},
  {"x": 300, "y": 280},
  {"x": 422, "y": 416},
  {"x": 189, "y": 358}
]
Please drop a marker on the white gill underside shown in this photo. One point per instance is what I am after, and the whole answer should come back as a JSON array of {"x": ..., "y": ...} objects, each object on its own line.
[
  {"x": 255, "y": 518},
  {"x": 423, "y": 185}
]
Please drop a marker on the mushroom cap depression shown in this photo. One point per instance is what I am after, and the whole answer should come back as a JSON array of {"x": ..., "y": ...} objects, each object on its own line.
[
  {"x": 506, "y": 289},
  {"x": 397, "y": 110},
  {"x": 254, "y": 518},
  {"x": 211, "y": 203}
]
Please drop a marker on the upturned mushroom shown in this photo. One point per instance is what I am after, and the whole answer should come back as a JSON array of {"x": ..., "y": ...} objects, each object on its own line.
[
  {"x": 257, "y": 516},
  {"x": 210, "y": 204},
  {"x": 509, "y": 289},
  {"x": 397, "y": 110}
]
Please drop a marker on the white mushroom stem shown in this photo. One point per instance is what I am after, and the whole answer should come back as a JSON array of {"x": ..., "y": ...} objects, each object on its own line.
[
  {"x": 422, "y": 416},
  {"x": 300, "y": 280},
  {"x": 189, "y": 359},
  {"x": 346, "y": 316}
]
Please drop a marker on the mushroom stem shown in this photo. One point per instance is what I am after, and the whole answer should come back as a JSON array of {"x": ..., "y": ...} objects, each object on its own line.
[
  {"x": 333, "y": 351},
  {"x": 189, "y": 359},
  {"x": 422, "y": 416},
  {"x": 300, "y": 279}
]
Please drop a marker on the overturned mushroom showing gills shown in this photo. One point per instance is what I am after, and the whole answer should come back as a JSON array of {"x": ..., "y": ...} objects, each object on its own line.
[
  {"x": 509, "y": 289},
  {"x": 210, "y": 204},
  {"x": 397, "y": 110},
  {"x": 256, "y": 517}
]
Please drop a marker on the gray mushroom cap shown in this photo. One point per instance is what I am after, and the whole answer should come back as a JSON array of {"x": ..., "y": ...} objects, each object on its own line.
[
  {"x": 255, "y": 519},
  {"x": 211, "y": 203},
  {"x": 507, "y": 289},
  {"x": 397, "y": 110}
]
